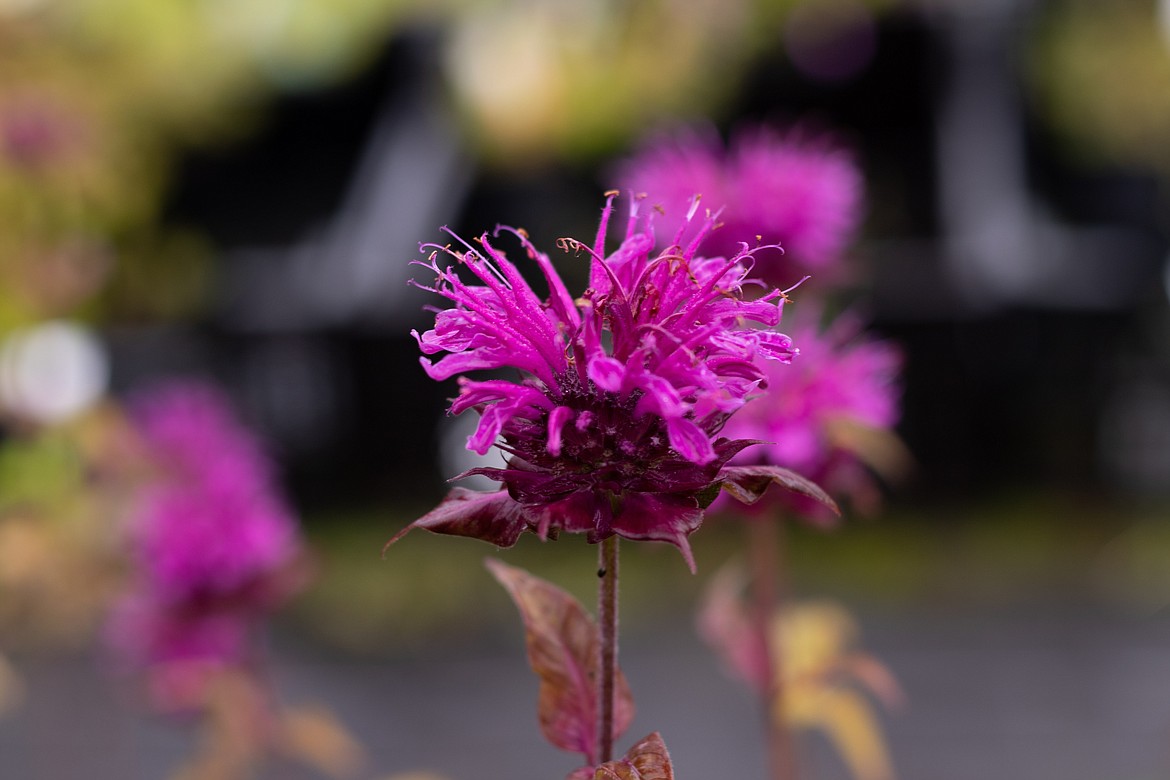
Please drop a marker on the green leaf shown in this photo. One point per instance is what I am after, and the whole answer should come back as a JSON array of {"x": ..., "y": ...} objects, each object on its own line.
[{"x": 821, "y": 669}]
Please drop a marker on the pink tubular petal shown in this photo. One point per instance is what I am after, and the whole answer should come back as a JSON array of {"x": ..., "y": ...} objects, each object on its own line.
[
  {"x": 472, "y": 394},
  {"x": 503, "y": 401},
  {"x": 453, "y": 364},
  {"x": 599, "y": 241},
  {"x": 726, "y": 367},
  {"x": 491, "y": 422},
  {"x": 690, "y": 441},
  {"x": 766, "y": 310},
  {"x": 607, "y": 373},
  {"x": 557, "y": 419},
  {"x": 503, "y": 325},
  {"x": 776, "y": 346},
  {"x": 661, "y": 397},
  {"x": 560, "y": 300},
  {"x": 475, "y": 394}
]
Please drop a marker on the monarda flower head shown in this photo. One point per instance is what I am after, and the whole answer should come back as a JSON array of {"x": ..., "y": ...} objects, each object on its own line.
[
  {"x": 795, "y": 190},
  {"x": 613, "y": 426}
]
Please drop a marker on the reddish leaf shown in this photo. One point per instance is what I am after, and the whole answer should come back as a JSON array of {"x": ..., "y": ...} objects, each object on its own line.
[
  {"x": 725, "y": 625},
  {"x": 493, "y": 517},
  {"x": 748, "y": 483},
  {"x": 563, "y": 643},
  {"x": 647, "y": 760}
]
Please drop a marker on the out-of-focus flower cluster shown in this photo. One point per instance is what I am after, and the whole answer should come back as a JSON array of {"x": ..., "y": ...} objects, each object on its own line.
[
  {"x": 829, "y": 415},
  {"x": 803, "y": 193},
  {"x": 213, "y": 548}
]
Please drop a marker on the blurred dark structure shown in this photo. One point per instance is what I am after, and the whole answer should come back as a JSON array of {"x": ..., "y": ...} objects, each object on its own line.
[{"x": 1027, "y": 293}]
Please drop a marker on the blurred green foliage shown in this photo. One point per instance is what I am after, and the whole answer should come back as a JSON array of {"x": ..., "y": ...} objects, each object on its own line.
[
  {"x": 1101, "y": 73},
  {"x": 1013, "y": 550}
]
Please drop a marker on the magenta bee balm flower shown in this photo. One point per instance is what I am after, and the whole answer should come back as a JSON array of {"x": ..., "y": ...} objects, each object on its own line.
[{"x": 613, "y": 426}]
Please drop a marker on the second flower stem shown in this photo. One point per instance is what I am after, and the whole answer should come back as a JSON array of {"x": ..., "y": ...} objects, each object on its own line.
[
  {"x": 767, "y": 560},
  {"x": 607, "y": 593}
]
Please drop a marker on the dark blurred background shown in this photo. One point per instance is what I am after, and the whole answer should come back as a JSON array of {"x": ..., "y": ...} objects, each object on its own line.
[{"x": 1020, "y": 266}]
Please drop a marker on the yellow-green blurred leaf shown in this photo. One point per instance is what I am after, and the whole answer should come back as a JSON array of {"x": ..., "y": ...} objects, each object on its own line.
[
  {"x": 1101, "y": 72},
  {"x": 878, "y": 448},
  {"x": 847, "y": 719},
  {"x": 821, "y": 672},
  {"x": 42, "y": 471},
  {"x": 315, "y": 736}
]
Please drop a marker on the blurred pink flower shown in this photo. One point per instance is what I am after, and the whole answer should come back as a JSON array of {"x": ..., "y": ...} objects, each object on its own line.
[
  {"x": 213, "y": 526},
  {"x": 37, "y": 131},
  {"x": 614, "y": 427},
  {"x": 843, "y": 383},
  {"x": 213, "y": 548},
  {"x": 803, "y": 193}
]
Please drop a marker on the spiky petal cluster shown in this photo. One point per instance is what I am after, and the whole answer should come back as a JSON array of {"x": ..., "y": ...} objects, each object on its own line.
[
  {"x": 614, "y": 426},
  {"x": 819, "y": 415},
  {"x": 212, "y": 546},
  {"x": 802, "y": 193}
]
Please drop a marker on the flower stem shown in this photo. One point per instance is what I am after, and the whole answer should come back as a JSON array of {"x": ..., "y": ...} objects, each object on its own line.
[
  {"x": 607, "y": 588},
  {"x": 766, "y": 548}
]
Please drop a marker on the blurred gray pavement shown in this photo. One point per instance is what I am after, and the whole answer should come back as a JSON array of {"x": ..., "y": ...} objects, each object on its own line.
[{"x": 1033, "y": 693}]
